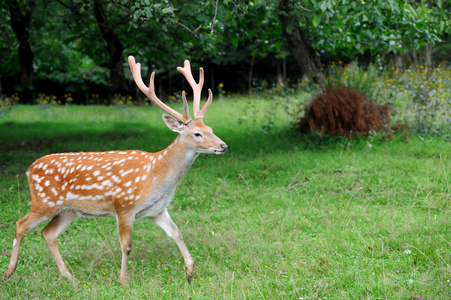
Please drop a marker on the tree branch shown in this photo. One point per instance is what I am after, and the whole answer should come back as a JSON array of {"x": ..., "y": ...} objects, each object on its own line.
[
  {"x": 191, "y": 31},
  {"x": 214, "y": 18}
]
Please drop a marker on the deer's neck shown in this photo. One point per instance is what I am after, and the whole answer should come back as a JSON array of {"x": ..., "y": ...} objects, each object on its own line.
[{"x": 176, "y": 159}]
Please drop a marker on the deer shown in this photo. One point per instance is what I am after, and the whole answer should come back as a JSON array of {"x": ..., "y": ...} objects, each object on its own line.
[{"x": 127, "y": 185}]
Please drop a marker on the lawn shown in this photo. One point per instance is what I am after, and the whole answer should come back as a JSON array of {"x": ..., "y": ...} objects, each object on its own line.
[{"x": 364, "y": 219}]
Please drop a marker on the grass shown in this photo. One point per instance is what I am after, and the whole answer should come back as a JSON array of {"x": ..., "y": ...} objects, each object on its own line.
[{"x": 369, "y": 220}]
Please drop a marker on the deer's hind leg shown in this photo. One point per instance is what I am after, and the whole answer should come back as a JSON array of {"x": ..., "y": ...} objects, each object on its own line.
[
  {"x": 23, "y": 226},
  {"x": 50, "y": 234}
]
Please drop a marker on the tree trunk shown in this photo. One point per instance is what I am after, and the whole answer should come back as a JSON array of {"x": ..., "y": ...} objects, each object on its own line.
[
  {"x": 307, "y": 58},
  {"x": 249, "y": 77},
  {"x": 415, "y": 57},
  {"x": 20, "y": 23},
  {"x": 114, "y": 48},
  {"x": 279, "y": 73},
  {"x": 428, "y": 57},
  {"x": 398, "y": 58}
]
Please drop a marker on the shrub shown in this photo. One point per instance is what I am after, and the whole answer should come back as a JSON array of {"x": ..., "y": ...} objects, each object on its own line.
[
  {"x": 8, "y": 102},
  {"x": 345, "y": 111}
]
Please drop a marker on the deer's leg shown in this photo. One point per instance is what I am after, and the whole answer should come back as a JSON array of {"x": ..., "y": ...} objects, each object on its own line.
[
  {"x": 23, "y": 226},
  {"x": 125, "y": 228},
  {"x": 51, "y": 232},
  {"x": 165, "y": 222}
]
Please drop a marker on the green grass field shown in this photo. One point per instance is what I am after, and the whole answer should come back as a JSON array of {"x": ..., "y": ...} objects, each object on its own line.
[{"x": 368, "y": 220}]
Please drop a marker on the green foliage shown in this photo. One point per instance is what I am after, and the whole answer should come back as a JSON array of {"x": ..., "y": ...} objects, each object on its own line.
[
  {"x": 368, "y": 222},
  {"x": 352, "y": 27},
  {"x": 419, "y": 98}
]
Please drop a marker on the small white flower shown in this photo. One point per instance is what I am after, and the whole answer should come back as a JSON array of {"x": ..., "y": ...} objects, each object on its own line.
[{"x": 407, "y": 251}]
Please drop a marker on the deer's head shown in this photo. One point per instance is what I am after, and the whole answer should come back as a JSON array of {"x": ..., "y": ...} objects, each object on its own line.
[{"x": 194, "y": 134}]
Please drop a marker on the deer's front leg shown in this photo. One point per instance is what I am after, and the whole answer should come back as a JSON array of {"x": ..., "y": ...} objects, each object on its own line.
[
  {"x": 165, "y": 222},
  {"x": 125, "y": 228}
]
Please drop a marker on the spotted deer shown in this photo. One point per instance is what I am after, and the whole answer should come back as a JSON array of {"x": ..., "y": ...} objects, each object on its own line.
[{"x": 126, "y": 185}]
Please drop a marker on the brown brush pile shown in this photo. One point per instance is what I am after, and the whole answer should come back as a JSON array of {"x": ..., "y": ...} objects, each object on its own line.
[{"x": 345, "y": 111}]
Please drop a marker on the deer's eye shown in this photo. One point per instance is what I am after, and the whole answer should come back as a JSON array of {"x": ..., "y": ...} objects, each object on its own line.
[{"x": 198, "y": 134}]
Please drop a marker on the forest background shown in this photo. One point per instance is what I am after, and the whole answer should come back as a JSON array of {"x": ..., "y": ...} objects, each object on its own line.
[{"x": 75, "y": 51}]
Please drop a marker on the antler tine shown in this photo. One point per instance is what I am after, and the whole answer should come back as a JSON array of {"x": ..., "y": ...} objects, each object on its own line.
[
  {"x": 150, "y": 92},
  {"x": 207, "y": 104},
  {"x": 197, "y": 89}
]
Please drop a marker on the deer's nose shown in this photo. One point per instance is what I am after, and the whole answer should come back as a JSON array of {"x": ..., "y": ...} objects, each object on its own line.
[{"x": 224, "y": 147}]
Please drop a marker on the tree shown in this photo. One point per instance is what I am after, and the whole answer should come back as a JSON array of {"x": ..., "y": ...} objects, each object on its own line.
[
  {"x": 114, "y": 48},
  {"x": 20, "y": 14},
  {"x": 306, "y": 56}
]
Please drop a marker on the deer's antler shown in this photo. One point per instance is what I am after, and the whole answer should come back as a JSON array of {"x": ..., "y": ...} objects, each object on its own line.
[
  {"x": 197, "y": 89},
  {"x": 150, "y": 92}
]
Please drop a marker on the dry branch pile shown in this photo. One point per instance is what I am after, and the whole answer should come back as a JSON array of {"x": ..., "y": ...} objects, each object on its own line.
[{"x": 344, "y": 110}]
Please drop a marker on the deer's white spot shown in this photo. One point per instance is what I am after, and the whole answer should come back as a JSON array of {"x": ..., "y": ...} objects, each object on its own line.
[
  {"x": 122, "y": 152},
  {"x": 165, "y": 152},
  {"x": 109, "y": 174},
  {"x": 119, "y": 161},
  {"x": 54, "y": 191},
  {"x": 36, "y": 178},
  {"x": 127, "y": 172},
  {"x": 70, "y": 196},
  {"x": 115, "y": 178},
  {"x": 132, "y": 197},
  {"x": 144, "y": 177},
  {"x": 160, "y": 157},
  {"x": 89, "y": 168},
  {"x": 84, "y": 168},
  {"x": 96, "y": 173},
  {"x": 47, "y": 182},
  {"x": 59, "y": 202},
  {"x": 100, "y": 178},
  {"x": 128, "y": 184},
  {"x": 137, "y": 197},
  {"x": 129, "y": 191},
  {"x": 106, "y": 182},
  {"x": 57, "y": 178},
  {"x": 97, "y": 186},
  {"x": 51, "y": 204}
]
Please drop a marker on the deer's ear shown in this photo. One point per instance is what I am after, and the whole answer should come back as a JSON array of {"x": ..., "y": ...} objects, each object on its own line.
[{"x": 173, "y": 123}]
